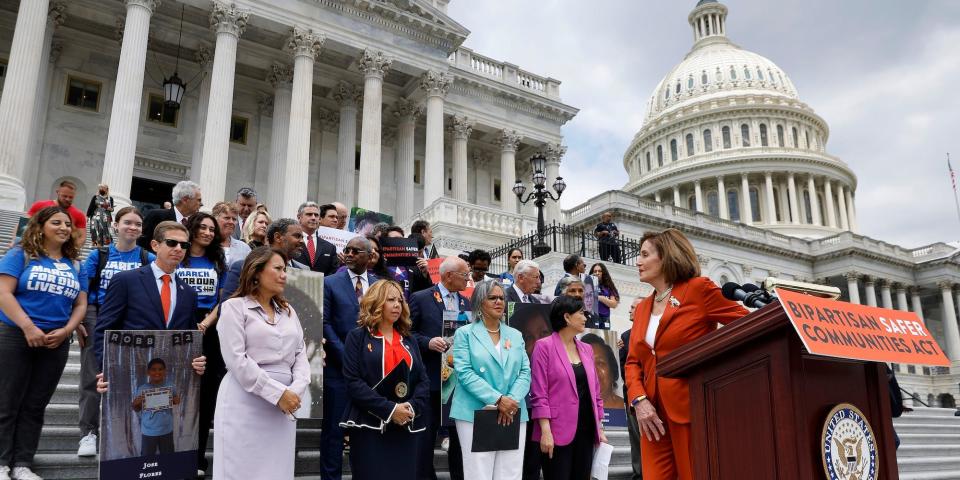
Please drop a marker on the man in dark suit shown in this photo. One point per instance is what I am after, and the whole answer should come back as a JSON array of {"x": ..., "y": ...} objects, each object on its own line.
[
  {"x": 283, "y": 234},
  {"x": 247, "y": 203},
  {"x": 187, "y": 200},
  {"x": 318, "y": 253},
  {"x": 526, "y": 281},
  {"x": 341, "y": 306},
  {"x": 151, "y": 297},
  {"x": 426, "y": 314}
]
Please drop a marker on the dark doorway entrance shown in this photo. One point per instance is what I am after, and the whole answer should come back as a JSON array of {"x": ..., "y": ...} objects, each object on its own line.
[{"x": 149, "y": 194}]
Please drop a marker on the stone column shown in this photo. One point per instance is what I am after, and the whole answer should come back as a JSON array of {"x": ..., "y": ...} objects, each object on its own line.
[
  {"x": 814, "y": 201},
  {"x": 771, "y": 203},
  {"x": 436, "y": 85},
  {"x": 305, "y": 46},
  {"x": 406, "y": 112},
  {"x": 794, "y": 206},
  {"x": 676, "y": 197},
  {"x": 280, "y": 77},
  {"x": 555, "y": 153},
  {"x": 374, "y": 66},
  {"x": 828, "y": 199},
  {"x": 901, "y": 292},
  {"x": 916, "y": 305},
  {"x": 347, "y": 96},
  {"x": 951, "y": 333},
  {"x": 746, "y": 209},
  {"x": 698, "y": 195},
  {"x": 722, "y": 199},
  {"x": 509, "y": 141},
  {"x": 229, "y": 23},
  {"x": 204, "y": 58},
  {"x": 17, "y": 107},
  {"x": 460, "y": 130},
  {"x": 853, "y": 288},
  {"x": 851, "y": 211},
  {"x": 656, "y": 196},
  {"x": 869, "y": 288},
  {"x": 121, "y": 148},
  {"x": 886, "y": 301},
  {"x": 842, "y": 206}
]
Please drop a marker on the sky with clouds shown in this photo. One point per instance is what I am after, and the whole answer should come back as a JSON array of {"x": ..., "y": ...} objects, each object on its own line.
[{"x": 883, "y": 74}]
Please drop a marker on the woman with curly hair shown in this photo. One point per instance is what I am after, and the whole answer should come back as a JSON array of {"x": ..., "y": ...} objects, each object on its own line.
[
  {"x": 255, "y": 228},
  {"x": 43, "y": 298},
  {"x": 384, "y": 418}
]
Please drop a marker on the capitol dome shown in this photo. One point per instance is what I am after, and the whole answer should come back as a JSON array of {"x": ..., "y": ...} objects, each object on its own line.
[{"x": 725, "y": 132}]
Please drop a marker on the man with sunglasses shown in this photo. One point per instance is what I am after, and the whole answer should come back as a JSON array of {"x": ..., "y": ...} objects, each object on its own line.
[
  {"x": 151, "y": 297},
  {"x": 341, "y": 306},
  {"x": 426, "y": 315}
]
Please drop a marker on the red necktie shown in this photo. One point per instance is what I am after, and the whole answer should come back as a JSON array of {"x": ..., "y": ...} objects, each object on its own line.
[
  {"x": 358, "y": 288},
  {"x": 185, "y": 221},
  {"x": 165, "y": 298},
  {"x": 311, "y": 249}
]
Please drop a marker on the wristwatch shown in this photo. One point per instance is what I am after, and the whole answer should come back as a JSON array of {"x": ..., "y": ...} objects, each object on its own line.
[{"x": 636, "y": 401}]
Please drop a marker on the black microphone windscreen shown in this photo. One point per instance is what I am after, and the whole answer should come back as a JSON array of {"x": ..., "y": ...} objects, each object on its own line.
[
  {"x": 749, "y": 287},
  {"x": 729, "y": 290}
]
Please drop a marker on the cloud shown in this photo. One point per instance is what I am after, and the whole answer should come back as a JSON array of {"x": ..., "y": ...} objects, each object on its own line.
[{"x": 880, "y": 73}]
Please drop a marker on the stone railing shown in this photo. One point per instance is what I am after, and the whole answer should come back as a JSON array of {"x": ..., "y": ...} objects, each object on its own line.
[
  {"x": 505, "y": 73},
  {"x": 473, "y": 224}
]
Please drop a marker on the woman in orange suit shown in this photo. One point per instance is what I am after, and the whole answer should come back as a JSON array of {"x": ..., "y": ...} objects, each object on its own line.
[{"x": 683, "y": 308}]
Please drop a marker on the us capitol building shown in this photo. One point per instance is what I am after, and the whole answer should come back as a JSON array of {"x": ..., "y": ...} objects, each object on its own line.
[{"x": 377, "y": 104}]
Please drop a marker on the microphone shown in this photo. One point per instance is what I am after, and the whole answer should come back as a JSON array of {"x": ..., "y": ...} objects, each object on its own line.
[{"x": 749, "y": 294}]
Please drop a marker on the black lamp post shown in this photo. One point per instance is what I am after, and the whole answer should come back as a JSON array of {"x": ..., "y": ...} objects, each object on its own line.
[
  {"x": 539, "y": 195},
  {"x": 173, "y": 87}
]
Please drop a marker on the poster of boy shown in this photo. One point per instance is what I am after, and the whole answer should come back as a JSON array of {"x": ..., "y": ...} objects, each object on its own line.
[
  {"x": 606, "y": 360},
  {"x": 150, "y": 413},
  {"x": 363, "y": 220},
  {"x": 304, "y": 291}
]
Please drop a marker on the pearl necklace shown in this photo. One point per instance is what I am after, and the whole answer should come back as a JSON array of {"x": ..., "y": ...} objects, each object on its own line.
[{"x": 662, "y": 296}]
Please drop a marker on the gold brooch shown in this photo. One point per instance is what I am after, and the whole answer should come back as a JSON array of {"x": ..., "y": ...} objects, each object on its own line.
[{"x": 370, "y": 347}]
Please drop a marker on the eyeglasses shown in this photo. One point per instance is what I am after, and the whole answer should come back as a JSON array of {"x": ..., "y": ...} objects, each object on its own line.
[
  {"x": 353, "y": 251},
  {"x": 496, "y": 298},
  {"x": 462, "y": 274},
  {"x": 174, "y": 243}
]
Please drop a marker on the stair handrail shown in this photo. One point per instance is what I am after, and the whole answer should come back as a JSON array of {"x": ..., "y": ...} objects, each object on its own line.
[{"x": 915, "y": 397}]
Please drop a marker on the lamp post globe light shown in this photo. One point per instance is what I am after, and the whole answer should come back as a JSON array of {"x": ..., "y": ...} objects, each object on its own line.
[{"x": 539, "y": 195}]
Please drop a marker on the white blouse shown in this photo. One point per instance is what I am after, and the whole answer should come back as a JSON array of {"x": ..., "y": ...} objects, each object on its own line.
[{"x": 652, "y": 327}]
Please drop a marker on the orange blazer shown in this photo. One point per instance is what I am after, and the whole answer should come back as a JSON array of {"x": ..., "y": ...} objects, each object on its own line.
[{"x": 698, "y": 308}]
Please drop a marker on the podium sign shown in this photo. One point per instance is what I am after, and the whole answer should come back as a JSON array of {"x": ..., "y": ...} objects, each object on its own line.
[{"x": 860, "y": 332}]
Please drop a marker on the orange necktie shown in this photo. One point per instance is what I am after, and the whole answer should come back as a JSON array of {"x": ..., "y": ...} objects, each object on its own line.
[{"x": 165, "y": 298}]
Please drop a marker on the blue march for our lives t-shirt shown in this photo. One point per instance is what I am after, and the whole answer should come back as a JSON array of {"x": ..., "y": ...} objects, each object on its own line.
[
  {"x": 203, "y": 277},
  {"x": 46, "y": 288},
  {"x": 159, "y": 422},
  {"x": 117, "y": 261}
]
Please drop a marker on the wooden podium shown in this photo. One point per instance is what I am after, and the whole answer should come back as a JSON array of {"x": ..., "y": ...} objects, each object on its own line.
[{"x": 758, "y": 401}]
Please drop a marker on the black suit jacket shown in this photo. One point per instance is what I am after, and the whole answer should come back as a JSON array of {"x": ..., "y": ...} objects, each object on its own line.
[
  {"x": 513, "y": 297},
  {"x": 426, "y": 315},
  {"x": 133, "y": 303},
  {"x": 150, "y": 222},
  {"x": 325, "y": 261}
]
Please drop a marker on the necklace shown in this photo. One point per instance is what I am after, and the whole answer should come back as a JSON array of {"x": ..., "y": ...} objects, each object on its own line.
[
  {"x": 491, "y": 331},
  {"x": 661, "y": 296}
]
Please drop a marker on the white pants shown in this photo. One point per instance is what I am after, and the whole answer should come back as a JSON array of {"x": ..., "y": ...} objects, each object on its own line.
[{"x": 499, "y": 465}]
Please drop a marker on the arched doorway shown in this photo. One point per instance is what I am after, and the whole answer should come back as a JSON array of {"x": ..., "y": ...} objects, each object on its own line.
[{"x": 947, "y": 401}]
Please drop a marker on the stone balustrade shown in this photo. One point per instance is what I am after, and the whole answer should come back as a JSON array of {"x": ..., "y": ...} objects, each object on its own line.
[
  {"x": 473, "y": 225},
  {"x": 504, "y": 72}
]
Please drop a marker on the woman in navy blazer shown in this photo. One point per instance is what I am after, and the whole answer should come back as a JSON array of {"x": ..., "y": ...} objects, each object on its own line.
[
  {"x": 383, "y": 428},
  {"x": 492, "y": 369},
  {"x": 565, "y": 395}
]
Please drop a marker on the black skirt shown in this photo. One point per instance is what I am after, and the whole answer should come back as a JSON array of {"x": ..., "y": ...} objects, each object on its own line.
[{"x": 391, "y": 454}]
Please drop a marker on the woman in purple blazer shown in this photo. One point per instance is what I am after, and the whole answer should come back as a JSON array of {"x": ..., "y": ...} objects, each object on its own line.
[{"x": 565, "y": 395}]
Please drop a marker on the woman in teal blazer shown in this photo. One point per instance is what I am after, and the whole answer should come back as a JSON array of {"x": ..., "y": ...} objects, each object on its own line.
[{"x": 493, "y": 369}]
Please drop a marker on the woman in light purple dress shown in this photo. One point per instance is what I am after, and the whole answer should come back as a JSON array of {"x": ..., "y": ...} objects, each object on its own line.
[{"x": 267, "y": 374}]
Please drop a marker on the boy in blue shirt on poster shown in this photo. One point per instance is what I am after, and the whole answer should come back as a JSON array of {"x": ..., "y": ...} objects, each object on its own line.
[{"x": 156, "y": 424}]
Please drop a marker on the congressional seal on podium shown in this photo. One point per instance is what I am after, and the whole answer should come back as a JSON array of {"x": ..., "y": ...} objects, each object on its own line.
[{"x": 848, "y": 446}]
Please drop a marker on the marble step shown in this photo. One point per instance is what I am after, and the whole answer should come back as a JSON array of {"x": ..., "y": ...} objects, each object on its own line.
[
  {"x": 932, "y": 428},
  {"x": 928, "y": 464},
  {"x": 929, "y": 439}
]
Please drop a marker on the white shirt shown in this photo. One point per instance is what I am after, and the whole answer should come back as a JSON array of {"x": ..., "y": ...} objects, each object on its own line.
[
  {"x": 157, "y": 274},
  {"x": 651, "y": 335},
  {"x": 524, "y": 298},
  {"x": 179, "y": 215},
  {"x": 363, "y": 280}
]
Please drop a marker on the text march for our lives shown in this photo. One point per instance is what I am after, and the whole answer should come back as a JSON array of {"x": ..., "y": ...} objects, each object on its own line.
[{"x": 860, "y": 332}]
